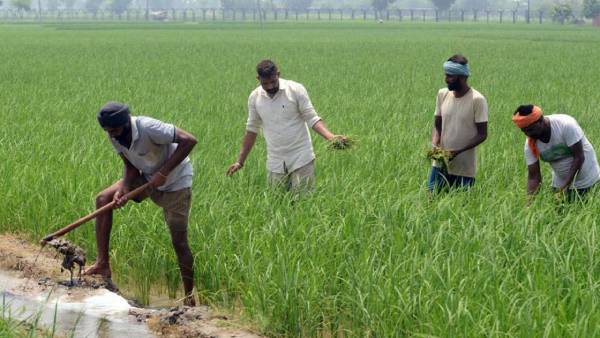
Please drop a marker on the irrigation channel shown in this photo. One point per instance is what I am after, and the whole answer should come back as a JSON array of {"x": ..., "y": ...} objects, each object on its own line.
[
  {"x": 33, "y": 289},
  {"x": 96, "y": 313}
]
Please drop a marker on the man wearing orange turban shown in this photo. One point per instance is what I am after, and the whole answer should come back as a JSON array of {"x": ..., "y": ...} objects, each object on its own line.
[{"x": 559, "y": 140}]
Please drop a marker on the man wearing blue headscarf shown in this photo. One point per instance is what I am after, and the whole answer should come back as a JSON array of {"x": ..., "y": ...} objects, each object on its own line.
[
  {"x": 155, "y": 152},
  {"x": 460, "y": 124}
]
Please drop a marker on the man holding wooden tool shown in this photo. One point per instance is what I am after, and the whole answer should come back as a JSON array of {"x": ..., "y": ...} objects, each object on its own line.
[{"x": 154, "y": 154}]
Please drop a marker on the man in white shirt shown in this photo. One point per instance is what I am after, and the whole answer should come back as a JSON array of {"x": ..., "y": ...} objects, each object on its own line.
[
  {"x": 155, "y": 152},
  {"x": 460, "y": 124},
  {"x": 283, "y": 110},
  {"x": 559, "y": 140}
]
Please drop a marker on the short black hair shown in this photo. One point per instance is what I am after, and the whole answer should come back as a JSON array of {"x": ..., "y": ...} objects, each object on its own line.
[
  {"x": 266, "y": 69},
  {"x": 524, "y": 110},
  {"x": 459, "y": 58}
]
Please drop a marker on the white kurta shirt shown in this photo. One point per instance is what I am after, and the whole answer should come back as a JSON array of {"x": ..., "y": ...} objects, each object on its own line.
[{"x": 284, "y": 119}]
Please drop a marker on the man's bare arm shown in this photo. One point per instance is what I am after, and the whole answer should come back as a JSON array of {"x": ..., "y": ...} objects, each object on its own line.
[
  {"x": 247, "y": 144},
  {"x": 129, "y": 175},
  {"x": 578, "y": 158},
  {"x": 322, "y": 130},
  {"x": 436, "y": 132},
  {"x": 476, "y": 140},
  {"x": 185, "y": 143},
  {"x": 534, "y": 178}
]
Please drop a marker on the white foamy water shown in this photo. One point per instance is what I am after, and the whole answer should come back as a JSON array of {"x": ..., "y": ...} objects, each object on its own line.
[{"x": 95, "y": 313}]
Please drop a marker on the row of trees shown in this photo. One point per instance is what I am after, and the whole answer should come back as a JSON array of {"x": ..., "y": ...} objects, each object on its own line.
[
  {"x": 566, "y": 12},
  {"x": 591, "y": 9},
  {"x": 91, "y": 5},
  {"x": 559, "y": 8},
  {"x": 562, "y": 10}
]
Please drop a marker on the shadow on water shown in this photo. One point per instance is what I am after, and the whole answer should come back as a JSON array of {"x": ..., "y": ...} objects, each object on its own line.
[{"x": 86, "y": 313}]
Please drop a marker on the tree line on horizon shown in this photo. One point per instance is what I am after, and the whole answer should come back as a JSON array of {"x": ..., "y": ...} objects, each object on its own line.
[{"x": 561, "y": 10}]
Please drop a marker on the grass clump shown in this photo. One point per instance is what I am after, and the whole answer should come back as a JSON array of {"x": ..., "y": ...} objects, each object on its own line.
[
  {"x": 340, "y": 142},
  {"x": 441, "y": 156}
]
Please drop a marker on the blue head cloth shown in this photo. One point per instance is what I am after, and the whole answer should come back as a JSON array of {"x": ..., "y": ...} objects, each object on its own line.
[
  {"x": 113, "y": 114},
  {"x": 455, "y": 68}
]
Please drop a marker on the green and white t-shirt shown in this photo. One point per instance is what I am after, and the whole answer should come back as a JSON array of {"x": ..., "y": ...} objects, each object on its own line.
[{"x": 565, "y": 132}]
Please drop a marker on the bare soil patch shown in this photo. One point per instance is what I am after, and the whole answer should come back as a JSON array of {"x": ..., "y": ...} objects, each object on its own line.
[{"x": 38, "y": 270}]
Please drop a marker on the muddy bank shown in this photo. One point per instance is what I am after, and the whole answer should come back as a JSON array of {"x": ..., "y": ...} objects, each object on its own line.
[
  {"x": 73, "y": 311},
  {"x": 183, "y": 321},
  {"x": 32, "y": 279}
]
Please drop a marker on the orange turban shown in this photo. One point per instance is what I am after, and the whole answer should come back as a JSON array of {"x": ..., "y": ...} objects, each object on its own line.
[{"x": 526, "y": 121}]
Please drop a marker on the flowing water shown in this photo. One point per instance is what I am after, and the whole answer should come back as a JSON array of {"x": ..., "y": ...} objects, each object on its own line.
[{"x": 81, "y": 312}]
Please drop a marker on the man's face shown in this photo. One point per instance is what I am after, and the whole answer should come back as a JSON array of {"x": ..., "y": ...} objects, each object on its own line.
[
  {"x": 453, "y": 82},
  {"x": 270, "y": 84},
  {"x": 116, "y": 132},
  {"x": 534, "y": 130}
]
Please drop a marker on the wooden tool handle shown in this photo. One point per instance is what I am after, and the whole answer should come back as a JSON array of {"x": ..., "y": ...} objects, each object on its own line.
[{"x": 92, "y": 215}]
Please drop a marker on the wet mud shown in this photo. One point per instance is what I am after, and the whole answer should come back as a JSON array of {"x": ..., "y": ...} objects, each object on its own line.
[
  {"x": 188, "y": 322},
  {"x": 35, "y": 273},
  {"x": 72, "y": 255}
]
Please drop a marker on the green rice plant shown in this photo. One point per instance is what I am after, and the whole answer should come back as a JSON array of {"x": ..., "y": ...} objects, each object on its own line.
[
  {"x": 12, "y": 327},
  {"x": 369, "y": 253},
  {"x": 439, "y": 155}
]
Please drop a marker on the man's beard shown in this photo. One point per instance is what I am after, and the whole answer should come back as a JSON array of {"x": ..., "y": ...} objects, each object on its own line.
[
  {"x": 454, "y": 86},
  {"x": 123, "y": 139},
  {"x": 273, "y": 90}
]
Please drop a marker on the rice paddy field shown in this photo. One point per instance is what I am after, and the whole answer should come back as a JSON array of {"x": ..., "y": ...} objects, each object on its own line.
[{"x": 369, "y": 254}]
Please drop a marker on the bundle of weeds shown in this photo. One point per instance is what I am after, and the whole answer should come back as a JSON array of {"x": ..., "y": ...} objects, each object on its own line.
[
  {"x": 341, "y": 142},
  {"x": 440, "y": 156},
  {"x": 560, "y": 197}
]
